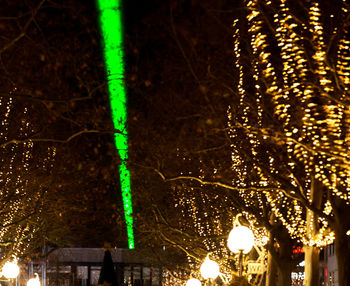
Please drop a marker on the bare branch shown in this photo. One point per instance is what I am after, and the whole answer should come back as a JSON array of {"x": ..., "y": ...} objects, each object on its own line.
[
  {"x": 53, "y": 100},
  {"x": 24, "y": 30},
  {"x": 181, "y": 48},
  {"x": 180, "y": 247},
  {"x": 183, "y": 233},
  {"x": 53, "y": 140},
  {"x": 215, "y": 183}
]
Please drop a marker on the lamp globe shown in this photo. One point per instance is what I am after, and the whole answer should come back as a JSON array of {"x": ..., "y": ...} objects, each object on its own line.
[
  {"x": 241, "y": 238},
  {"x": 34, "y": 281},
  {"x": 209, "y": 269},
  {"x": 10, "y": 269},
  {"x": 193, "y": 282}
]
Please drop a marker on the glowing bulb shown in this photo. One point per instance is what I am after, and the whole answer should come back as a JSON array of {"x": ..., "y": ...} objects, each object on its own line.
[
  {"x": 34, "y": 281},
  {"x": 209, "y": 269},
  {"x": 241, "y": 238},
  {"x": 193, "y": 282},
  {"x": 10, "y": 269}
]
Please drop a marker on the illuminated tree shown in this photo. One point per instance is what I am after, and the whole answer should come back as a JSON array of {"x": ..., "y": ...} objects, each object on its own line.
[
  {"x": 22, "y": 196},
  {"x": 295, "y": 116},
  {"x": 187, "y": 136},
  {"x": 289, "y": 121},
  {"x": 57, "y": 127}
]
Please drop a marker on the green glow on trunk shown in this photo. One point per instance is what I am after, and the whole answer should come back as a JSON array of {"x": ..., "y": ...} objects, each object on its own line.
[{"x": 112, "y": 31}]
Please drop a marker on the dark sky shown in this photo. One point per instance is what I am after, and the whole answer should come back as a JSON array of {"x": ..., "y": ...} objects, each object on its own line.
[{"x": 60, "y": 59}]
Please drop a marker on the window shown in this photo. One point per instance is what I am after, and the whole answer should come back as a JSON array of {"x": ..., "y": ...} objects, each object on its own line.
[
  {"x": 95, "y": 274},
  {"x": 128, "y": 275},
  {"x": 331, "y": 279},
  {"x": 155, "y": 276},
  {"x": 137, "y": 275},
  {"x": 331, "y": 249}
]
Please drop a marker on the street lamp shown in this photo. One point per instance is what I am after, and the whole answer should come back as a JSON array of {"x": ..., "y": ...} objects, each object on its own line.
[
  {"x": 209, "y": 269},
  {"x": 10, "y": 269},
  {"x": 193, "y": 282},
  {"x": 240, "y": 240},
  {"x": 34, "y": 281}
]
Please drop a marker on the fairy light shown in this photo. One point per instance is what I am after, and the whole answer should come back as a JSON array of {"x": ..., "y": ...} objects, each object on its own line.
[
  {"x": 112, "y": 31},
  {"x": 312, "y": 131},
  {"x": 308, "y": 115},
  {"x": 17, "y": 193}
]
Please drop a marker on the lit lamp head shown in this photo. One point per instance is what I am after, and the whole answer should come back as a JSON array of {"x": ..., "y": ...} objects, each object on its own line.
[
  {"x": 10, "y": 269},
  {"x": 241, "y": 238},
  {"x": 193, "y": 282},
  {"x": 209, "y": 269},
  {"x": 34, "y": 281}
]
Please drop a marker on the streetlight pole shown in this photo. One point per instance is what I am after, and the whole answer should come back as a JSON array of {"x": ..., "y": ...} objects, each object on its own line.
[
  {"x": 240, "y": 263},
  {"x": 240, "y": 241}
]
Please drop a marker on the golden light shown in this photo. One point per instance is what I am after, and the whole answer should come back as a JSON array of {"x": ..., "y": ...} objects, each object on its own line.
[
  {"x": 193, "y": 282},
  {"x": 241, "y": 238},
  {"x": 10, "y": 269},
  {"x": 34, "y": 281},
  {"x": 209, "y": 269}
]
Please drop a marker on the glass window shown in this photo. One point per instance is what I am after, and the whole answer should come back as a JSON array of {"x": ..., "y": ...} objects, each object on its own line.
[
  {"x": 155, "y": 276},
  {"x": 128, "y": 276},
  {"x": 82, "y": 272},
  {"x": 137, "y": 275},
  {"x": 94, "y": 274},
  {"x": 64, "y": 269},
  {"x": 146, "y": 275}
]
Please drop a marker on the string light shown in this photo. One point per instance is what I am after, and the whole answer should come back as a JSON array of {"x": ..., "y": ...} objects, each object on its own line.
[
  {"x": 291, "y": 121},
  {"x": 314, "y": 124},
  {"x": 21, "y": 198}
]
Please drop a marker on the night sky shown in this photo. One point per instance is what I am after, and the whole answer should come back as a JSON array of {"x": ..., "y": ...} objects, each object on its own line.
[
  {"x": 233, "y": 107},
  {"x": 56, "y": 70}
]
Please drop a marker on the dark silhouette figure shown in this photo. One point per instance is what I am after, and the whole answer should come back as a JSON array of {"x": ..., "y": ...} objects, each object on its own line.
[{"x": 107, "y": 275}]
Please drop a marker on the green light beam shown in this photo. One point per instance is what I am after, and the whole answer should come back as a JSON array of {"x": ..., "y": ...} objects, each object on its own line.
[{"x": 110, "y": 12}]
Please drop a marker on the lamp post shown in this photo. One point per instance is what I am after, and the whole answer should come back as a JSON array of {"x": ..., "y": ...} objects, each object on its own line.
[
  {"x": 209, "y": 269},
  {"x": 241, "y": 241}
]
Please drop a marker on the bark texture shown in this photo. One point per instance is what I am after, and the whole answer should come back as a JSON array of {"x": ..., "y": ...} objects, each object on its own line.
[
  {"x": 312, "y": 253},
  {"x": 312, "y": 269},
  {"x": 272, "y": 270}
]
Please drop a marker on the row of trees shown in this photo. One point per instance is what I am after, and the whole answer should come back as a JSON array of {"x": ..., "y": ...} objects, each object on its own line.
[
  {"x": 281, "y": 156},
  {"x": 58, "y": 166},
  {"x": 255, "y": 124}
]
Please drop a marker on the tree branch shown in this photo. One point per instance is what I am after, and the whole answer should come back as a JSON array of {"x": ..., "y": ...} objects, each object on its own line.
[
  {"x": 25, "y": 28},
  {"x": 53, "y": 140},
  {"x": 190, "y": 236},
  {"x": 215, "y": 183}
]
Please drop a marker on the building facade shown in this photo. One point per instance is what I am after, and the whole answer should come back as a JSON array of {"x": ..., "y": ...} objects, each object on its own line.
[
  {"x": 82, "y": 266},
  {"x": 329, "y": 266}
]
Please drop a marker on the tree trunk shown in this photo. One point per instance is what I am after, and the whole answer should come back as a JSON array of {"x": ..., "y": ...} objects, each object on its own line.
[
  {"x": 280, "y": 256},
  {"x": 312, "y": 269},
  {"x": 312, "y": 253},
  {"x": 285, "y": 261},
  {"x": 271, "y": 272},
  {"x": 284, "y": 276}
]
